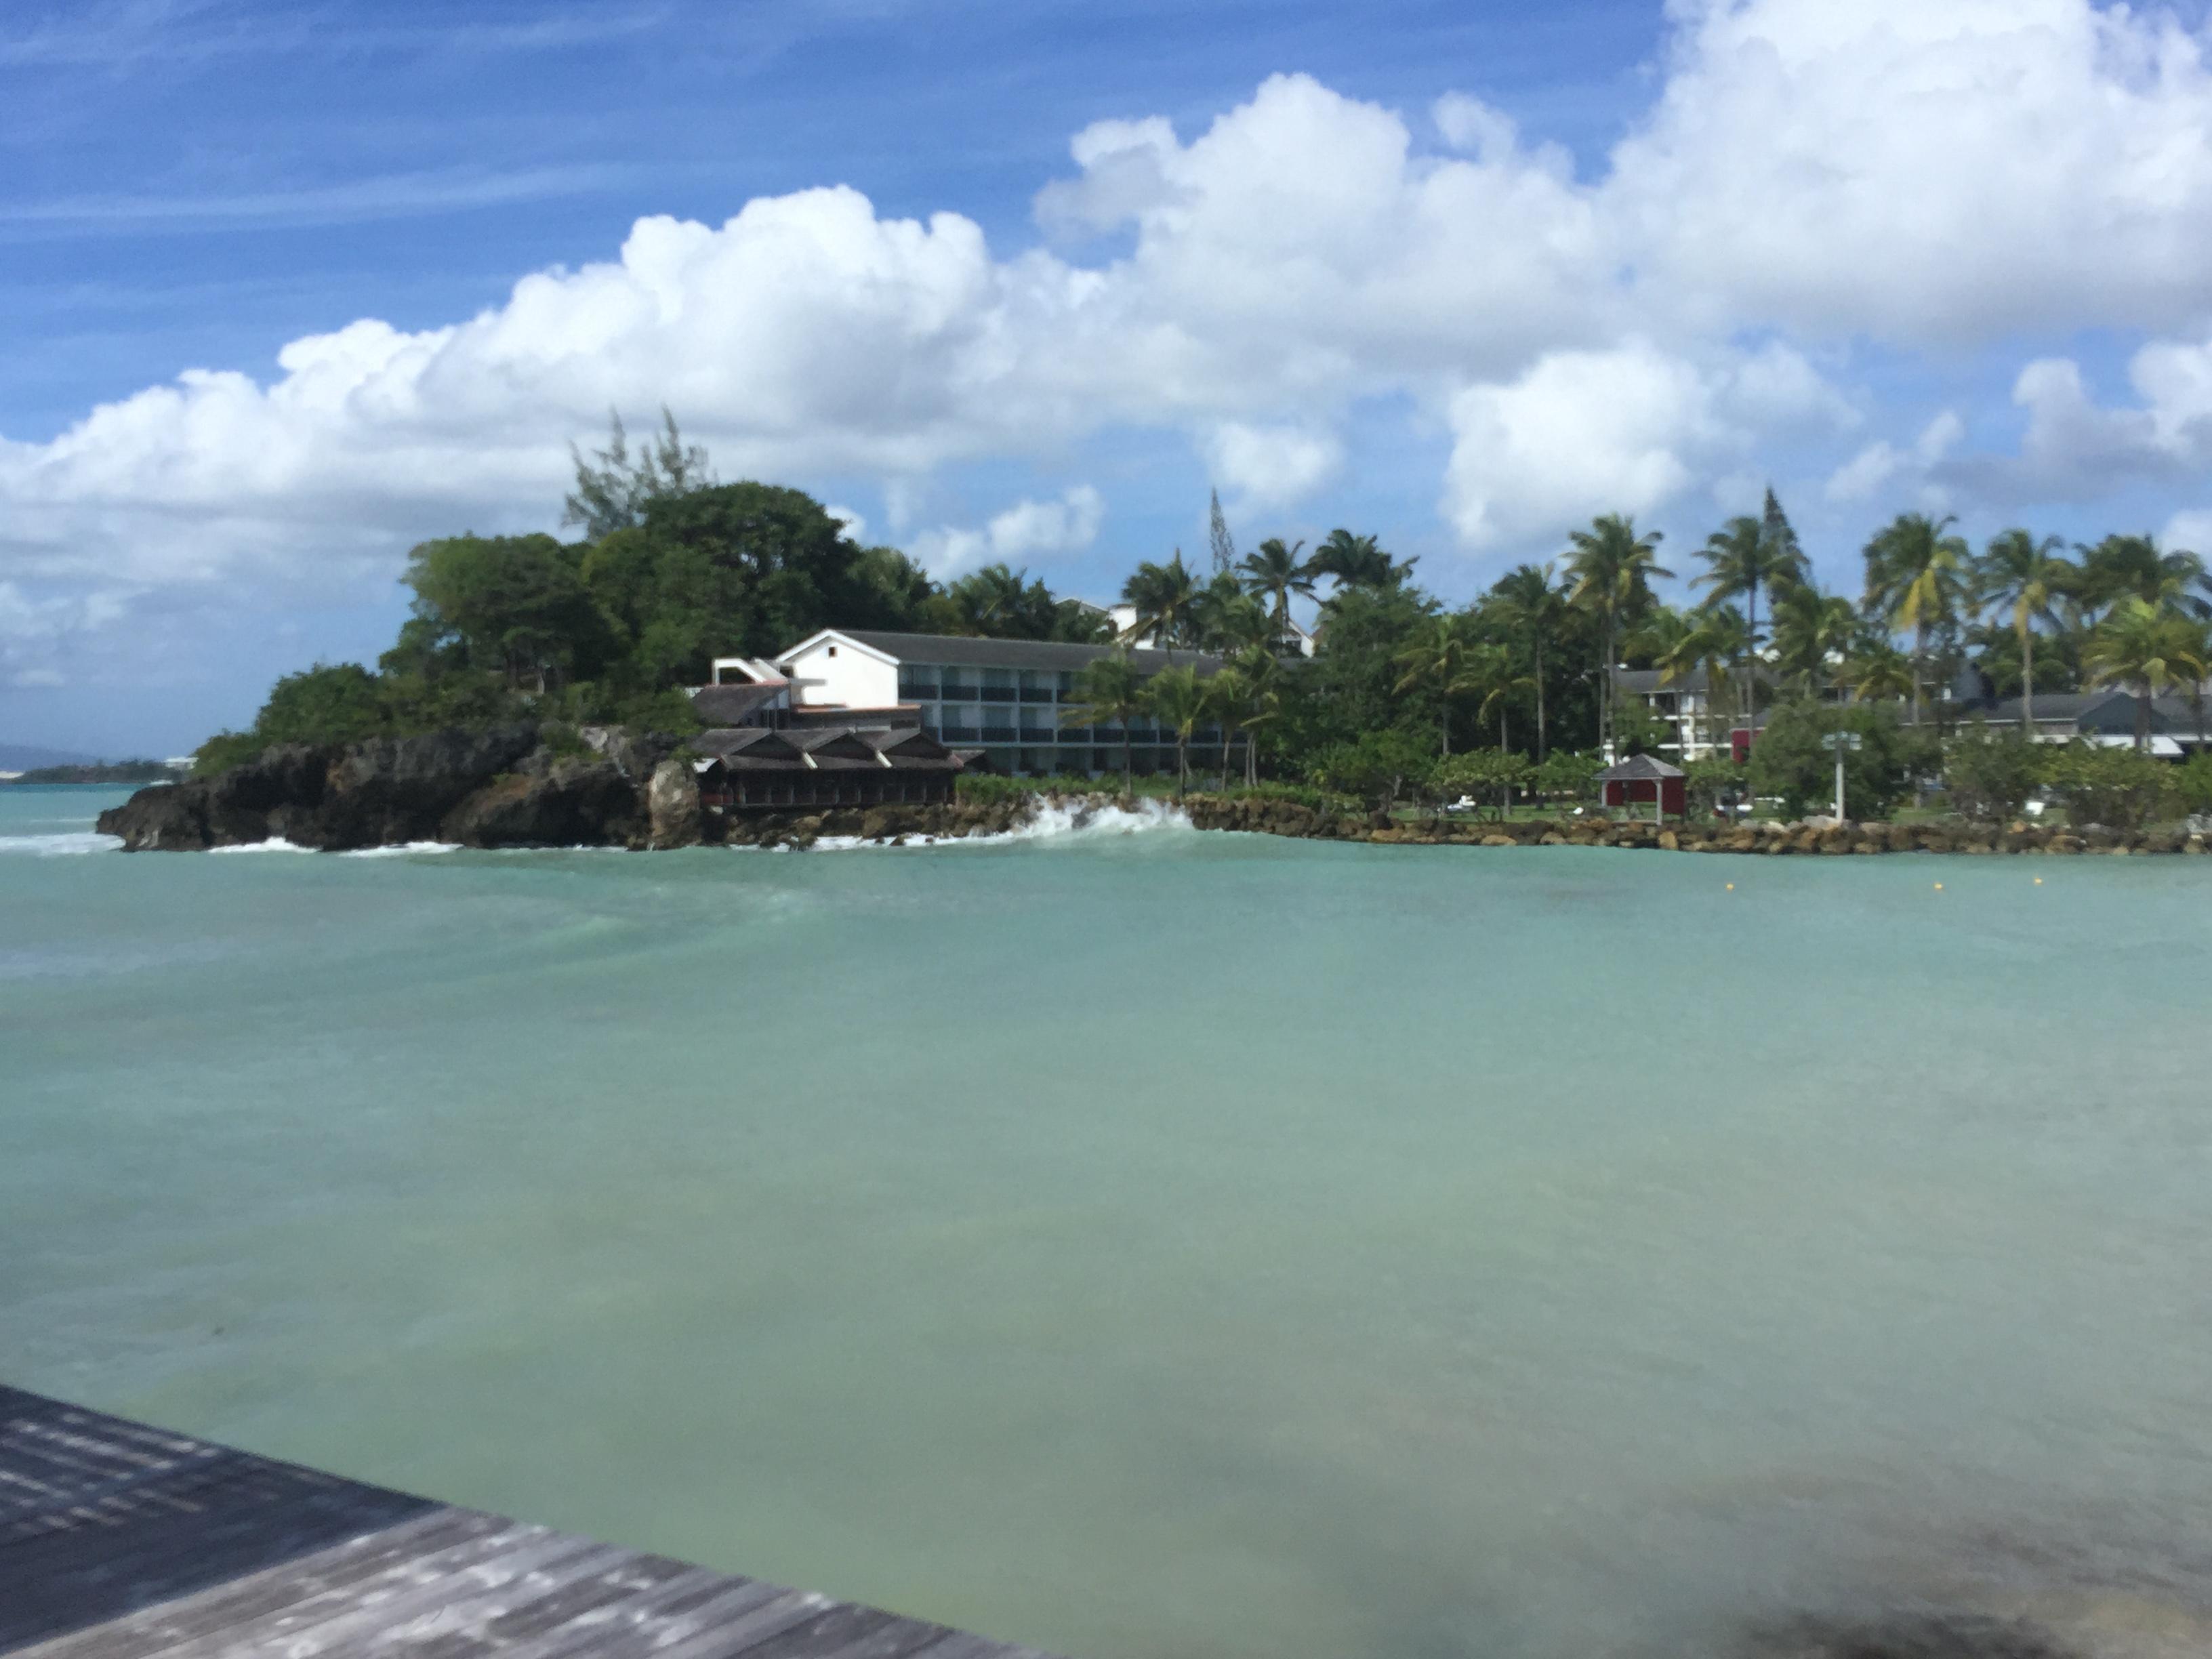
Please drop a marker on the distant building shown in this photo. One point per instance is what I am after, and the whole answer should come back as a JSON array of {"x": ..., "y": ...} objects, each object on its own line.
[
  {"x": 1010, "y": 701},
  {"x": 2177, "y": 728}
]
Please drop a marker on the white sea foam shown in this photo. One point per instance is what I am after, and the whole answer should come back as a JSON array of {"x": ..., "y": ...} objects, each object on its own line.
[
  {"x": 70, "y": 844},
  {"x": 1054, "y": 821},
  {"x": 274, "y": 844},
  {"x": 403, "y": 849}
]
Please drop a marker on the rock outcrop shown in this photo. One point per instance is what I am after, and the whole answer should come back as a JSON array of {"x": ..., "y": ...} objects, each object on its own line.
[{"x": 671, "y": 804}]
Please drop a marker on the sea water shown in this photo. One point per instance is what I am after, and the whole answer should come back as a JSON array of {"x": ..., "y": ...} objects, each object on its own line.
[{"x": 1142, "y": 1243}]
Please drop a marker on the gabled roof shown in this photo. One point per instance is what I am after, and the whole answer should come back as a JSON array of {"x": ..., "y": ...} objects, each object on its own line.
[
  {"x": 1639, "y": 768},
  {"x": 906, "y": 741},
  {"x": 758, "y": 741},
  {"x": 951, "y": 651}
]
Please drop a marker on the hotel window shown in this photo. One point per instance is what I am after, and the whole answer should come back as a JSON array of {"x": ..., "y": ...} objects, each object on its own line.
[{"x": 998, "y": 685}]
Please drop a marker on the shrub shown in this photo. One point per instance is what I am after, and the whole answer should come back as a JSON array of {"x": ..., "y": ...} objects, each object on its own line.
[
  {"x": 1489, "y": 775},
  {"x": 1989, "y": 778},
  {"x": 2193, "y": 784},
  {"x": 1381, "y": 767},
  {"x": 2116, "y": 787}
]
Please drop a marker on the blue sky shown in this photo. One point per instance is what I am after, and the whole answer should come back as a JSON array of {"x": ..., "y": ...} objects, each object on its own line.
[{"x": 1634, "y": 259}]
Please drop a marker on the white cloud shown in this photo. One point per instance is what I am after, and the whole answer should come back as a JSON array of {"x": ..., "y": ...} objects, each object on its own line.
[
  {"x": 1027, "y": 530},
  {"x": 2190, "y": 528},
  {"x": 1628, "y": 429},
  {"x": 1271, "y": 466},
  {"x": 1880, "y": 465},
  {"x": 1906, "y": 175}
]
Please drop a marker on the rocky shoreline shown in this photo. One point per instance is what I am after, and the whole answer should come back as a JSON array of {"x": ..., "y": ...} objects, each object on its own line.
[
  {"x": 610, "y": 786},
  {"x": 1815, "y": 837}
]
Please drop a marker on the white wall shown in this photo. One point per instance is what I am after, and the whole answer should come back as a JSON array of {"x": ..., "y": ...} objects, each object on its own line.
[{"x": 837, "y": 672}]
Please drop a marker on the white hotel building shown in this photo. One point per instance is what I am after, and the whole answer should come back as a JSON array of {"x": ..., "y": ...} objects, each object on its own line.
[{"x": 1007, "y": 698}]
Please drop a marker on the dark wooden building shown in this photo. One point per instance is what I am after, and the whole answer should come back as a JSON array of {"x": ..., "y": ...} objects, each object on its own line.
[
  {"x": 755, "y": 768},
  {"x": 1642, "y": 778}
]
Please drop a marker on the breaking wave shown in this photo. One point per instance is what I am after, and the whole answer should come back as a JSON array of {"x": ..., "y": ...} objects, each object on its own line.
[
  {"x": 1052, "y": 820},
  {"x": 70, "y": 844}
]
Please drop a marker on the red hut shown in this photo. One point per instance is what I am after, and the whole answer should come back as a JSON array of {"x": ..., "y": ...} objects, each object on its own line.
[{"x": 1641, "y": 778}]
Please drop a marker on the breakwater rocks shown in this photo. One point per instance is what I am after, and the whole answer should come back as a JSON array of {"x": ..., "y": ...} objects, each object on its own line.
[{"x": 1815, "y": 838}]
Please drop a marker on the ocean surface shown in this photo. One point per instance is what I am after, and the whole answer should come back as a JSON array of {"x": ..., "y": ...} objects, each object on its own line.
[{"x": 1140, "y": 1243}]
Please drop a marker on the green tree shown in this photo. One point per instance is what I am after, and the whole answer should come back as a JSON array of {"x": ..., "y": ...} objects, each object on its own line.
[
  {"x": 1916, "y": 580},
  {"x": 2121, "y": 789},
  {"x": 1813, "y": 632},
  {"x": 1476, "y": 773},
  {"x": 2026, "y": 580},
  {"x": 1351, "y": 561},
  {"x": 1440, "y": 660},
  {"x": 2146, "y": 650},
  {"x": 1177, "y": 701},
  {"x": 1378, "y": 766},
  {"x": 1109, "y": 691},
  {"x": 1791, "y": 760},
  {"x": 1568, "y": 775},
  {"x": 516, "y": 604},
  {"x": 1165, "y": 597},
  {"x": 1990, "y": 778},
  {"x": 1227, "y": 696},
  {"x": 1532, "y": 608},
  {"x": 613, "y": 489},
  {"x": 2123, "y": 567},
  {"x": 1611, "y": 569},
  {"x": 1742, "y": 556},
  {"x": 1272, "y": 573},
  {"x": 1219, "y": 541}
]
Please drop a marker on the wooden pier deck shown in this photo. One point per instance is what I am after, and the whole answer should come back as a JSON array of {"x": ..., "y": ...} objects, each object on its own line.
[{"x": 121, "y": 1542}]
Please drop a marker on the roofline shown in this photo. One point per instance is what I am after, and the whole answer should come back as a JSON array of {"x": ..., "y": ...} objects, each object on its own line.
[{"x": 783, "y": 658}]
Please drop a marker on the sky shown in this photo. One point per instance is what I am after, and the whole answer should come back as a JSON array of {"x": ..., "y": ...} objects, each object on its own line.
[{"x": 288, "y": 288}]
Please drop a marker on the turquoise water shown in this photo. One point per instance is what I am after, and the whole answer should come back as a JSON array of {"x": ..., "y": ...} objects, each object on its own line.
[{"x": 1155, "y": 1244}]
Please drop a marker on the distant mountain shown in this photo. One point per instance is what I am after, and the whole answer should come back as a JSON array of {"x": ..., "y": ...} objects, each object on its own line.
[{"x": 22, "y": 757}]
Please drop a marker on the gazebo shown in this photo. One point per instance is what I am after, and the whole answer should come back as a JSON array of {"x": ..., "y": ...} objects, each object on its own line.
[{"x": 1641, "y": 778}]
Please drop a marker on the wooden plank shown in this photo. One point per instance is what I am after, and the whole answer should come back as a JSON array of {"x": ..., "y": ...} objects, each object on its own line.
[
  {"x": 273, "y": 1589},
  {"x": 121, "y": 1542}
]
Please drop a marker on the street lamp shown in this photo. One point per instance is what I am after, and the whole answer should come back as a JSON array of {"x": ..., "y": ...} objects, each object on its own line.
[{"x": 1840, "y": 744}]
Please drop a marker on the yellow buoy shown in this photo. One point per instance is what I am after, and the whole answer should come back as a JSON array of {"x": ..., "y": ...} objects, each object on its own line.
[
  {"x": 2039, "y": 881},
  {"x": 1731, "y": 887},
  {"x": 1939, "y": 886}
]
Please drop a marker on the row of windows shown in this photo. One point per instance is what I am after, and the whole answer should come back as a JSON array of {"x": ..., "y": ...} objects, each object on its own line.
[
  {"x": 966, "y": 732},
  {"x": 985, "y": 684}
]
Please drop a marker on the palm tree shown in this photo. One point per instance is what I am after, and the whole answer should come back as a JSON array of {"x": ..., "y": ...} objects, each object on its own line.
[
  {"x": 1262, "y": 672},
  {"x": 1109, "y": 691},
  {"x": 1811, "y": 629},
  {"x": 1612, "y": 567},
  {"x": 1532, "y": 607},
  {"x": 1917, "y": 579},
  {"x": 1274, "y": 572},
  {"x": 1351, "y": 561},
  {"x": 1743, "y": 555},
  {"x": 1215, "y": 612},
  {"x": 1436, "y": 661},
  {"x": 2120, "y": 568},
  {"x": 1177, "y": 701},
  {"x": 1163, "y": 597},
  {"x": 1489, "y": 675},
  {"x": 1227, "y": 695},
  {"x": 2028, "y": 578},
  {"x": 1713, "y": 642},
  {"x": 2148, "y": 650},
  {"x": 1876, "y": 668}
]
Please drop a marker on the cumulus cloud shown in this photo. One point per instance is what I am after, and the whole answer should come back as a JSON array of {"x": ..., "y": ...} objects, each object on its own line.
[
  {"x": 1878, "y": 467},
  {"x": 1627, "y": 429},
  {"x": 1910, "y": 174},
  {"x": 1027, "y": 530},
  {"x": 1268, "y": 466}
]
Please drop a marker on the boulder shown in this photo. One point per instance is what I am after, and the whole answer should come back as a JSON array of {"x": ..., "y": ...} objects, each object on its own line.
[
  {"x": 571, "y": 803},
  {"x": 279, "y": 791},
  {"x": 672, "y": 805}
]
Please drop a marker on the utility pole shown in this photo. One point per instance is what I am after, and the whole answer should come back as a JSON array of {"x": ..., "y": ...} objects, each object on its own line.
[{"x": 1839, "y": 743}]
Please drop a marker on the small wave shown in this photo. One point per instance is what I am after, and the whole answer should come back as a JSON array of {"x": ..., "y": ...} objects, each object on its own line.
[
  {"x": 70, "y": 844},
  {"x": 403, "y": 849},
  {"x": 274, "y": 844},
  {"x": 1056, "y": 821}
]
